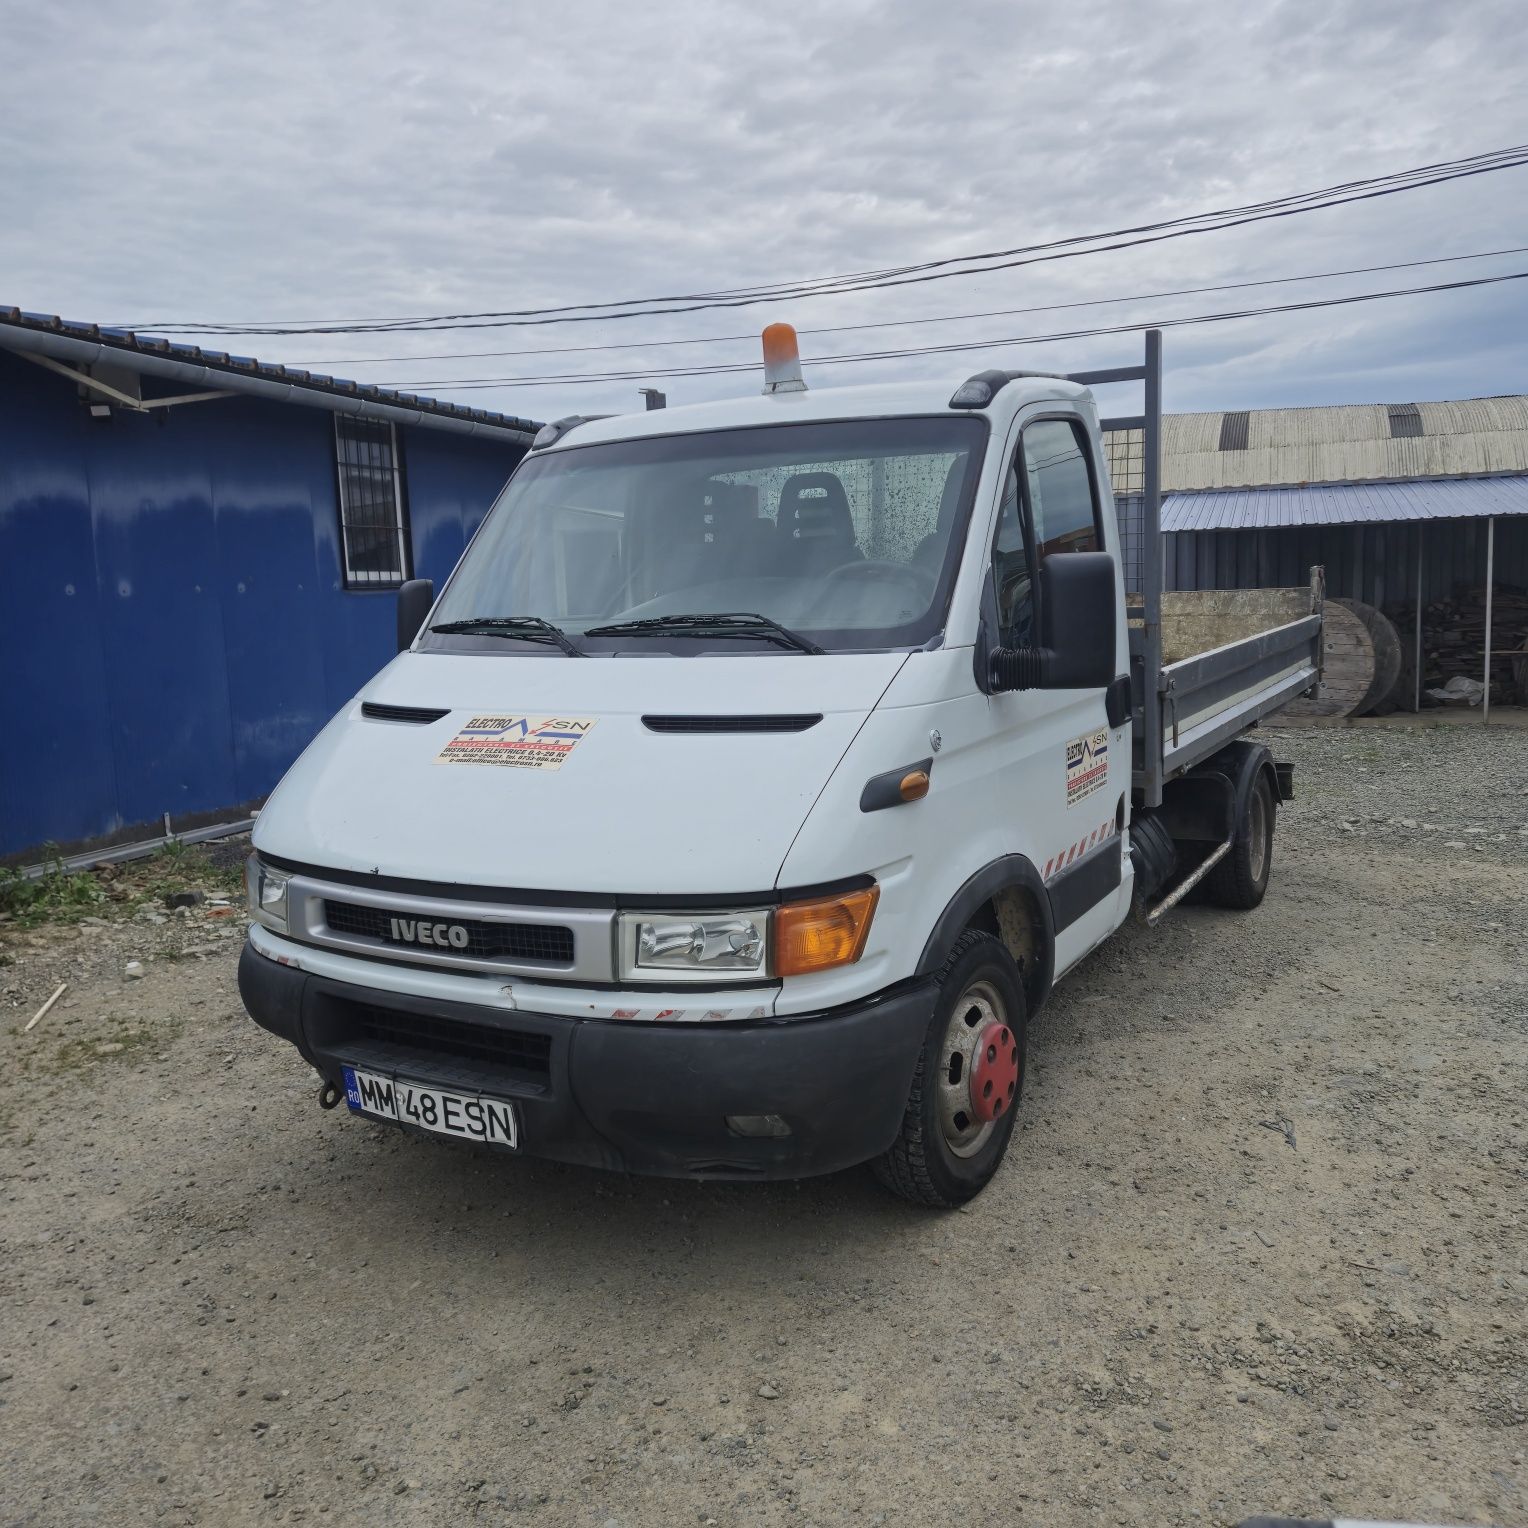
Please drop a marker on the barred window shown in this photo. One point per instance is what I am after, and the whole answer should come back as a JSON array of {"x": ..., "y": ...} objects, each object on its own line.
[{"x": 374, "y": 526}]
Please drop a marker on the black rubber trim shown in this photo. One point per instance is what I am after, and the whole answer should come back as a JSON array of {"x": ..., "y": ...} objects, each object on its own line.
[
  {"x": 785, "y": 722},
  {"x": 1085, "y": 883},
  {"x": 637, "y": 1097},
  {"x": 882, "y": 791},
  {"x": 1001, "y": 875},
  {"x": 1285, "y": 775},
  {"x": 1117, "y": 701},
  {"x": 377, "y": 712},
  {"x": 678, "y": 901}
]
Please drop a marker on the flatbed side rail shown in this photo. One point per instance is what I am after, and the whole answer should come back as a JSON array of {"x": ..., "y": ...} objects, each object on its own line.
[{"x": 1211, "y": 697}]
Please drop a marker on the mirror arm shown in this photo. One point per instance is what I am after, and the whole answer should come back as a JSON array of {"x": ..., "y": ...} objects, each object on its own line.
[{"x": 1019, "y": 668}]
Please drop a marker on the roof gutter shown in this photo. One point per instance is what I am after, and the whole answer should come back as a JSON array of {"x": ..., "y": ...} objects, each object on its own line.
[{"x": 63, "y": 347}]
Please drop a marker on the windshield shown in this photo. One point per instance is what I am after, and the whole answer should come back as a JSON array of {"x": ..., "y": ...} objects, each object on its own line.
[{"x": 847, "y": 533}]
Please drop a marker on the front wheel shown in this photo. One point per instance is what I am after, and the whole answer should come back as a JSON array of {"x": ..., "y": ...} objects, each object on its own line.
[{"x": 966, "y": 1087}]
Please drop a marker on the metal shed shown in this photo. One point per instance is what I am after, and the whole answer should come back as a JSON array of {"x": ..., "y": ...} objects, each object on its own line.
[
  {"x": 1403, "y": 504},
  {"x": 196, "y": 551}
]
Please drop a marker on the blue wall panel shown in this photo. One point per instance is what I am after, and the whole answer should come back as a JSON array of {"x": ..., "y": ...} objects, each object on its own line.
[
  {"x": 156, "y": 551},
  {"x": 452, "y": 482},
  {"x": 57, "y": 768},
  {"x": 173, "y": 623},
  {"x": 268, "y": 588}
]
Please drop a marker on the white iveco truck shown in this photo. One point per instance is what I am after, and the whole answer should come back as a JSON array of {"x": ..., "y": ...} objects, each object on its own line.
[{"x": 756, "y": 775}]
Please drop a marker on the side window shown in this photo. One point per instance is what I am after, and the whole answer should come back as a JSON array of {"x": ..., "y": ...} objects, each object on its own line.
[
  {"x": 1060, "y": 488},
  {"x": 1056, "y": 512},
  {"x": 1010, "y": 569}
]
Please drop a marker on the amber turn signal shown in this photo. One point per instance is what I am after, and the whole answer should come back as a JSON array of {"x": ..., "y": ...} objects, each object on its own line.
[
  {"x": 822, "y": 934},
  {"x": 914, "y": 786}
]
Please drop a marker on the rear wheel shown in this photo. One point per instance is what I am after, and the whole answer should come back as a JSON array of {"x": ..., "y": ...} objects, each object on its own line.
[
  {"x": 970, "y": 1073},
  {"x": 1241, "y": 878}
]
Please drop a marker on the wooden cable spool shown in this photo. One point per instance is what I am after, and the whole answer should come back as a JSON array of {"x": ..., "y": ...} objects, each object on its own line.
[
  {"x": 1386, "y": 641},
  {"x": 1348, "y": 665}
]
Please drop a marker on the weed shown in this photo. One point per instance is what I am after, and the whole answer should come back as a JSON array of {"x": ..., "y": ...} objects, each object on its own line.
[
  {"x": 128, "y": 1042},
  {"x": 57, "y": 892},
  {"x": 177, "y": 867}
]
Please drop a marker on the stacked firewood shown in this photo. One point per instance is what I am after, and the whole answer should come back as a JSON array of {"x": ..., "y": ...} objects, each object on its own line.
[{"x": 1454, "y": 641}]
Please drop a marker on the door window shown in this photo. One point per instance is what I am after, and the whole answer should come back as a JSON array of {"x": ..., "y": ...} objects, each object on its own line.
[
  {"x": 1048, "y": 507},
  {"x": 1060, "y": 488}
]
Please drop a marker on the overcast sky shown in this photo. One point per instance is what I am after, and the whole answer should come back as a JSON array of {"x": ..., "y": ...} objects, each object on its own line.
[{"x": 254, "y": 162}]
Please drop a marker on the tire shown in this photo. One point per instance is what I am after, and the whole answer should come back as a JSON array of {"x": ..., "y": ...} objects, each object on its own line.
[
  {"x": 1241, "y": 878},
  {"x": 945, "y": 1154}
]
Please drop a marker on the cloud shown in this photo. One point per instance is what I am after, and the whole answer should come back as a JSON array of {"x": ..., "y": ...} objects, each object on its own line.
[{"x": 263, "y": 161}]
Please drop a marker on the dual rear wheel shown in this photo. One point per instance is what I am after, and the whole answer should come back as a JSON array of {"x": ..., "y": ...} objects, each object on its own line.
[{"x": 1241, "y": 878}]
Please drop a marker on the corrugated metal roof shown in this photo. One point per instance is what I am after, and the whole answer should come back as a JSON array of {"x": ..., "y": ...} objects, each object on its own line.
[
  {"x": 1345, "y": 503},
  {"x": 1345, "y": 443},
  {"x": 129, "y": 345}
]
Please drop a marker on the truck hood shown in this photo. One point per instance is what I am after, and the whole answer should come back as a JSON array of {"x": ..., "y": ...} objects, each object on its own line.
[{"x": 543, "y": 775}]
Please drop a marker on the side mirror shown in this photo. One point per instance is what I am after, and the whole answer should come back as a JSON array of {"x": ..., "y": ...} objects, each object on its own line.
[
  {"x": 1078, "y": 615},
  {"x": 414, "y": 601}
]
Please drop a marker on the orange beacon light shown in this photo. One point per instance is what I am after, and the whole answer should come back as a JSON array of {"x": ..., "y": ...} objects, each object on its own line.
[{"x": 782, "y": 360}]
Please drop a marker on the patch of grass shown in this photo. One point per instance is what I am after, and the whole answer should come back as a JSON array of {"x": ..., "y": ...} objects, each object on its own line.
[
  {"x": 61, "y": 895},
  {"x": 186, "y": 867},
  {"x": 56, "y": 893},
  {"x": 81, "y": 1052},
  {"x": 62, "y": 1057}
]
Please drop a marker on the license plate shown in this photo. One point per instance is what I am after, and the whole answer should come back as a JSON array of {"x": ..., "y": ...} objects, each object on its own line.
[{"x": 469, "y": 1116}]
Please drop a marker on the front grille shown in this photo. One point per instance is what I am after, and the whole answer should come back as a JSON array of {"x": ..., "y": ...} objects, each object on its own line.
[
  {"x": 418, "y": 1036},
  {"x": 548, "y": 944}
]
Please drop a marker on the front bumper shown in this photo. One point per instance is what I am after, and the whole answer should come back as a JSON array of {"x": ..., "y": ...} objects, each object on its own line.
[{"x": 637, "y": 1097}]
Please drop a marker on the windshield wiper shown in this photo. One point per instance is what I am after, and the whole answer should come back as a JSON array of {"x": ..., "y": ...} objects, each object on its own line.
[
  {"x": 532, "y": 628},
  {"x": 739, "y": 623}
]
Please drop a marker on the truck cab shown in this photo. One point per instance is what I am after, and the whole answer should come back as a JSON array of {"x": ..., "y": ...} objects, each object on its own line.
[{"x": 755, "y": 775}]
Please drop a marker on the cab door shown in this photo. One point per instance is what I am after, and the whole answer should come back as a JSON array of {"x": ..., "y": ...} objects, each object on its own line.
[{"x": 1068, "y": 770}]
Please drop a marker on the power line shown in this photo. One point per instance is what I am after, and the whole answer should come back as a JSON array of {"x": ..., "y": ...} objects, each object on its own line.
[
  {"x": 902, "y": 323},
  {"x": 726, "y": 368},
  {"x": 925, "y": 271}
]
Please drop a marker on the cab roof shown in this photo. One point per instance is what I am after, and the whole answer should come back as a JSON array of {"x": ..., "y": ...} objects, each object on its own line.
[{"x": 869, "y": 401}]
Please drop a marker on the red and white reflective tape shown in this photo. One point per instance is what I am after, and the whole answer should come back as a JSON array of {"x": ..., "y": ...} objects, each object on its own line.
[{"x": 1057, "y": 863}]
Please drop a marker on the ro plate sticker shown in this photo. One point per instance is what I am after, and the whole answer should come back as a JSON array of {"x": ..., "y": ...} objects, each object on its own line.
[
  {"x": 517, "y": 742},
  {"x": 1087, "y": 765}
]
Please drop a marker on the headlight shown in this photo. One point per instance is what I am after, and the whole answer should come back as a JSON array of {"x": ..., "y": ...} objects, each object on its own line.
[
  {"x": 266, "y": 890},
  {"x": 695, "y": 947}
]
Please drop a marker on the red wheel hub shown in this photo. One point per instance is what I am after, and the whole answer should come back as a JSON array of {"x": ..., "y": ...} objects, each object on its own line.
[{"x": 994, "y": 1073}]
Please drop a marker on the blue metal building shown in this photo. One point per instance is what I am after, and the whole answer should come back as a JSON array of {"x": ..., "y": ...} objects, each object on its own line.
[{"x": 196, "y": 554}]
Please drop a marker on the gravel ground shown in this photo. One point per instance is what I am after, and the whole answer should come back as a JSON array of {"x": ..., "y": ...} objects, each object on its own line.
[{"x": 1259, "y": 1244}]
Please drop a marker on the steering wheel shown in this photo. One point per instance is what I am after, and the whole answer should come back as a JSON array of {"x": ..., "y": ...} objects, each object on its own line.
[{"x": 922, "y": 582}]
